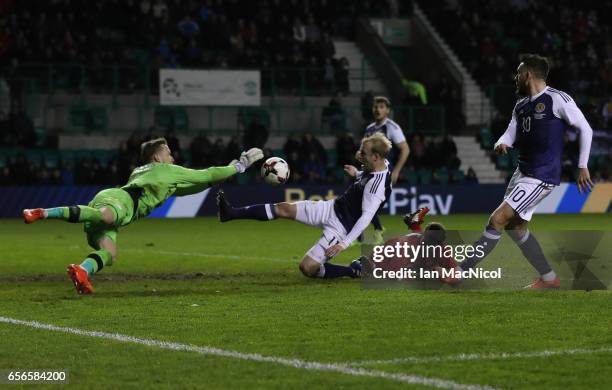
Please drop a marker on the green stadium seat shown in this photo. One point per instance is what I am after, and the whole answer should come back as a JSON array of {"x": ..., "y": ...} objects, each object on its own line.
[
  {"x": 186, "y": 155},
  {"x": 411, "y": 177},
  {"x": 484, "y": 131},
  {"x": 487, "y": 142},
  {"x": 164, "y": 116},
  {"x": 602, "y": 160},
  {"x": 339, "y": 175},
  {"x": 442, "y": 175},
  {"x": 51, "y": 160},
  {"x": 247, "y": 114},
  {"x": 98, "y": 118},
  {"x": 425, "y": 176},
  {"x": 41, "y": 136},
  {"x": 181, "y": 119},
  {"x": 67, "y": 156},
  {"x": 504, "y": 162},
  {"x": 514, "y": 157},
  {"x": 332, "y": 155},
  {"x": 458, "y": 176},
  {"x": 78, "y": 115},
  {"x": 486, "y": 138}
]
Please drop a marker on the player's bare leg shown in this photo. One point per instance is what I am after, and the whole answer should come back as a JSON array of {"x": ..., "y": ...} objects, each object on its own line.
[
  {"x": 286, "y": 210},
  {"x": 531, "y": 249}
]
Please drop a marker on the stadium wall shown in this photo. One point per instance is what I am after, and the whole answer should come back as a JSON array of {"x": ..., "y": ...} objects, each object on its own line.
[{"x": 453, "y": 199}]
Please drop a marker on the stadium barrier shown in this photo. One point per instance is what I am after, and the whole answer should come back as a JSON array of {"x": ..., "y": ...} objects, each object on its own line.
[{"x": 441, "y": 199}]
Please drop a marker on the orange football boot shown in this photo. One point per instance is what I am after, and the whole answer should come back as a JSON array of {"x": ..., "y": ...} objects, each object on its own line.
[
  {"x": 414, "y": 220},
  {"x": 33, "y": 215},
  {"x": 80, "y": 279},
  {"x": 539, "y": 283}
]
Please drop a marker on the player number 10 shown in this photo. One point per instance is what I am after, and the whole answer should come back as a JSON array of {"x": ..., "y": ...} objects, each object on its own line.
[{"x": 526, "y": 124}]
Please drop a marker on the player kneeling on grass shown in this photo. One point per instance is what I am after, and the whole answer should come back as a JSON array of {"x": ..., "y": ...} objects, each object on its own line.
[
  {"x": 434, "y": 235},
  {"x": 342, "y": 219},
  {"x": 147, "y": 188}
]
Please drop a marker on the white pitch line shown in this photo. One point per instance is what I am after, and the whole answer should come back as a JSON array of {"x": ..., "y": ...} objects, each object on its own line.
[
  {"x": 481, "y": 356},
  {"x": 295, "y": 363}
]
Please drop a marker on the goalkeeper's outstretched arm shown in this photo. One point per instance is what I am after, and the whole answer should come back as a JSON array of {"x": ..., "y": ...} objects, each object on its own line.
[{"x": 190, "y": 181}]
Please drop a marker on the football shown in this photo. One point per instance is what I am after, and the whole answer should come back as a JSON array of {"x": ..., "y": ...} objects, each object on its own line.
[{"x": 275, "y": 171}]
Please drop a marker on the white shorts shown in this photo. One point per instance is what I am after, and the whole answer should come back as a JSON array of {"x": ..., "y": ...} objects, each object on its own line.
[
  {"x": 525, "y": 193},
  {"x": 321, "y": 214}
]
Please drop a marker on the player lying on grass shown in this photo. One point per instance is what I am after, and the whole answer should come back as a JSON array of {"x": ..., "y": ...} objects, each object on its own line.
[
  {"x": 342, "y": 219},
  {"x": 434, "y": 234},
  {"x": 147, "y": 188},
  {"x": 539, "y": 121}
]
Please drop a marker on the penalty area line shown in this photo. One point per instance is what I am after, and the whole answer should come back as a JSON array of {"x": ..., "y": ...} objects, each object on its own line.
[
  {"x": 482, "y": 356},
  {"x": 211, "y": 351}
]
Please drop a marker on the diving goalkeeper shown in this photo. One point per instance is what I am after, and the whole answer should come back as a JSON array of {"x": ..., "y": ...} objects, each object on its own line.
[{"x": 147, "y": 188}]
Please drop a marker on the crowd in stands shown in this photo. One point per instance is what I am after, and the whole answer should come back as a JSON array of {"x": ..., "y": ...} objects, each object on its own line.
[
  {"x": 309, "y": 160},
  {"x": 575, "y": 36},
  {"x": 287, "y": 34}
]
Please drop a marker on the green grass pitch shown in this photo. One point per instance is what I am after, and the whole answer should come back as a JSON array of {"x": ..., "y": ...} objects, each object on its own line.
[{"x": 237, "y": 287}]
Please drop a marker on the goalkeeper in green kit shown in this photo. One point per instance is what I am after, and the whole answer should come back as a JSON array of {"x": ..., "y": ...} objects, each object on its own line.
[{"x": 147, "y": 188}]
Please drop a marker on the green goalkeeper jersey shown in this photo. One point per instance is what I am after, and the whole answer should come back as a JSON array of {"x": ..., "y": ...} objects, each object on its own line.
[{"x": 153, "y": 183}]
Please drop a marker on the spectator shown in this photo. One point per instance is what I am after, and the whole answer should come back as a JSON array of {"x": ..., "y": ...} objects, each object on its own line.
[
  {"x": 417, "y": 94},
  {"x": 299, "y": 31},
  {"x": 5, "y": 98},
  {"x": 342, "y": 76},
  {"x": 21, "y": 127},
  {"x": 256, "y": 134},
  {"x": 314, "y": 169},
  {"x": 201, "y": 151},
  {"x": 311, "y": 145},
  {"x": 159, "y": 8},
  {"x": 192, "y": 55},
  {"x": 5, "y": 176},
  {"x": 417, "y": 149},
  {"x": 329, "y": 77},
  {"x": 325, "y": 48},
  {"x": 367, "y": 102},
  {"x": 218, "y": 153},
  {"x": 470, "y": 177},
  {"x": 346, "y": 147},
  {"x": 21, "y": 170},
  {"x": 293, "y": 145},
  {"x": 313, "y": 33},
  {"x": 233, "y": 149},
  {"x": 173, "y": 142},
  {"x": 334, "y": 116},
  {"x": 188, "y": 27},
  {"x": 295, "y": 164}
]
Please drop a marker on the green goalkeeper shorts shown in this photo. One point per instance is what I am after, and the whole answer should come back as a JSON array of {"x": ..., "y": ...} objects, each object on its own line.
[{"x": 122, "y": 206}]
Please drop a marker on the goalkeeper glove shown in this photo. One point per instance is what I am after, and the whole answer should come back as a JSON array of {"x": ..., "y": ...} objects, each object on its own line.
[{"x": 247, "y": 159}]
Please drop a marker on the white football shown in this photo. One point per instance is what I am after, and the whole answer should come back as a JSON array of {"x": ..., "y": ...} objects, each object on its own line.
[{"x": 275, "y": 171}]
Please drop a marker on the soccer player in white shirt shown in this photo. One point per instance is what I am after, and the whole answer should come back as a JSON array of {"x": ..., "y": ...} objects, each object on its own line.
[
  {"x": 342, "y": 220},
  {"x": 399, "y": 153}
]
